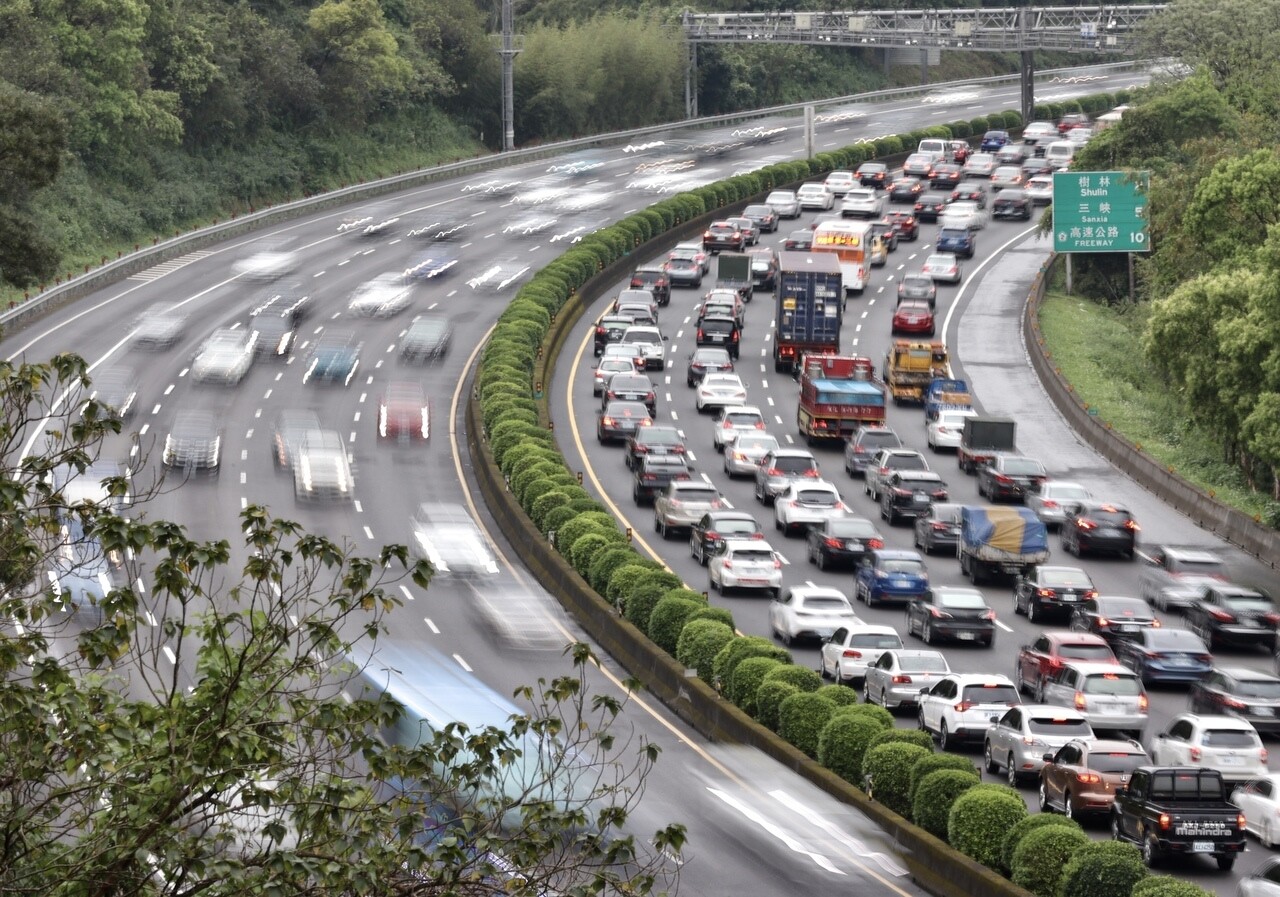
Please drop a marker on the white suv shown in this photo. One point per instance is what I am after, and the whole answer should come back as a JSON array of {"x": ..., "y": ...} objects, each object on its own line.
[
  {"x": 733, "y": 420},
  {"x": 960, "y": 707},
  {"x": 744, "y": 564},
  {"x": 1224, "y": 743},
  {"x": 805, "y": 504},
  {"x": 649, "y": 339},
  {"x": 1018, "y": 741},
  {"x": 851, "y": 649},
  {"x": 862, "y": 202},
  {"x": 1111, "y": 696}
]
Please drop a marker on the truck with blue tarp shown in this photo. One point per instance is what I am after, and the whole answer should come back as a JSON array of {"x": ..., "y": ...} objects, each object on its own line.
[
  {"x": 838, "y": 394},
  {"x": 945, "y": 393},
  {"x": 1000, "y": 540}
]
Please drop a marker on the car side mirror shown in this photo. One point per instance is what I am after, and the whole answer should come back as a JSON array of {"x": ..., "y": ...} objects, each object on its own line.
[
  {"x": 1120, "y": 791},
  {"x": 993, "y": 718},
  {"x": 1047, "y": 758}
]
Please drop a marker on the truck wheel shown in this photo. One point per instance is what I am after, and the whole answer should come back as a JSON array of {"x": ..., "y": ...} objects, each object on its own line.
[{"x": 978, "y": 571}]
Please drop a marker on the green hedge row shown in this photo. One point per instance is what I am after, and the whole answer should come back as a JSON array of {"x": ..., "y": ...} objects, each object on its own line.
[{"x": 856, "y": 741}]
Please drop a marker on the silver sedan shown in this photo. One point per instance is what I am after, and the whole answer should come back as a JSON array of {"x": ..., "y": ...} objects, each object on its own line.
[
  {"x": 1050, "y": 504},
  {"x": 896, "y": 678},
  {"x": 743, "y": 457}
]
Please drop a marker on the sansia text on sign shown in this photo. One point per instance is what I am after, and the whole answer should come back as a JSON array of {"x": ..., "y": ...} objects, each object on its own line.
[{"x": 1100, "y": 211}]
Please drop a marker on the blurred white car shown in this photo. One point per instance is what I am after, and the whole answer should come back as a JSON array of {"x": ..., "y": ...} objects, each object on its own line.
[
  {"x": 945, "y": 430},
  {"x": 607, "y": 367},
  {"x": 963, "y": 213},
  {"x": 1050, "y": 503},
  {"x": 896, "y": 678},
  {"x": 784, "y": 202},
  {"x": 733, "y": 420},
  {"x": 719, "y": 390},
  {"x": 743, "y": 457},
  {"x": 744, "y": 564},
  {"x": 809, "y": 612},
  {"x": 268, "y": 264},
  {"x": 1259, "y": 800},
  {"x": 651, "y": 344},
  {"x": 225, "y": 357},
  {"x": 840, "y": 182},
  {"x": 805, "y": 504},
  {"x": 447, "y": 536},
  {"x": 322, "y": 471},
  {"x": 942, "y": 266},
  {"x": 1039, "y": 189},
  {"x": 381, "y": 297},
  {"x": 1211, "y": 741},
  {"x": 815, "y": 196}
]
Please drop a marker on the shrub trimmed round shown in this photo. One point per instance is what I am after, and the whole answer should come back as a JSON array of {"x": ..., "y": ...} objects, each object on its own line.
[
  {"x": 699, "y": 643},
  {"x": 887, "y": 769},
  {"x": 517, "y": 457},
  {"x": 979, "y": 819},
  {"x": 935, "y": 794},
  {"x": 878, "y": 715},
  {"x": 802, "y": 678},
  {"x": 644, "y": 597},
  {"x": 605, "y": 562},
  {"x": 588, "y": 505},
  {"x": 741, "y": 648},
  {"x": 746, "y": 680},
  {"x": 933, "y": 763},
  {"x": 1012, "y": 119},
  {"x": 624, "y": 578},
  {"x": 904, "y": 736},
  {"x": 584, "y": 549},
  {"x": 544, "y": 505},
  {"x": 979, "y": 125},
  {"x": 843, "y": 744},
  {"x": 1097, "y": 869},
  {"x": 539, "y": 488},
  {"x": 838, "y": 695},
  {"x": 557, "y": 518},
  {"x": 720, "y": 614},
  {"x": 769, "y": 697},
  {"x": 1041, "y": 858},
  {"x": 668, "y": 618},
  {"x": 534, "y": 470},
  {"x": 1168, "y": 886},
  {"x": 1015, "y": 835},
  {"x": 801, "y": 719},
  {"x": 500, "y": 445}
]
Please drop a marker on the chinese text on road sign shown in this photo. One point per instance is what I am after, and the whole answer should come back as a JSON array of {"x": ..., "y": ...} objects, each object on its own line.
[{"x": 1100, "y": 211}]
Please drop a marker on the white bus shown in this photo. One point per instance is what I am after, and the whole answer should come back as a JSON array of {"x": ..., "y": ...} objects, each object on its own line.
[{"x": 851, "y": 243}]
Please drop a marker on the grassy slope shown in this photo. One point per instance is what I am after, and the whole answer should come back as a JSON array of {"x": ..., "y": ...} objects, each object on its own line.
[{"x": 1099, "y": 350}]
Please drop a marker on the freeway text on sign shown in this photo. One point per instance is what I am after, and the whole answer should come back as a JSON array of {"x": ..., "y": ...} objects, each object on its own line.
[{"x": 1100, "y": 211}]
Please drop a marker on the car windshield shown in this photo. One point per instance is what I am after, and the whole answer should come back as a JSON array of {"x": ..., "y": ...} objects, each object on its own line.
[
  {"x": 1022, "y": 466},
  {"x": 1059, "y": 726},
  {"x": 1268, "y": 689},
  {"x": 1116, "y": 763},
  {"x": 923, "y": 663},
  {"x": 823, "y": 497},
  {"x": 962, "y": 600},
  {"x": 1120, "y": 684},
  {"x": 874, "y": 439},
  {"x": 953, "y": 418},
  {"x": 742, "y": 417},
  {"x": 1228, "y": 738},
  {"x": 907, "y": 462},
  {"x": 736, "y": 526},
  {"x": 753, "y": 443},
  {"x": 1064, "y": 491},
  {"x": 1084, "y": 651},
  {"x": 661, "y": 436},
  {"x": 902, "y": 566},
  {"x": 1067, "y": 577},
  {"x": 991, "y": 694},
  {"x": 874, "y": 640},
  {"x": 1124, "y": 607},
  {"x": 1178, "y": 640},
  {"x": 953, "y": 233},
  {"x": 851, "y": 528},
  {"x": 712, "y": 356},
  {"x": 698, "y": 493}
]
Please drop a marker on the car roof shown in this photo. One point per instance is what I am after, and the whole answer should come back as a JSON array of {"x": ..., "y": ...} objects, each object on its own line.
[
  {"x": 1112, "y": 745},
  {"x": 1246, "y": 673},
  {"x": 873, "y": 628},
  {"x": 1075, "y": 638},
  {"x": 1190, "y": 554},
  {"x": 980, "y": 678},
  {"x": 754, "y": 544},
  {"x": 1217, "y": 721},
  {"x": 808, "y": 591},
  {"x": 1056, "y": 710},
  {"x": 793, "y": 453},
  {"x": 727, "y": 514},
  {"x": 743, "y": 409}
]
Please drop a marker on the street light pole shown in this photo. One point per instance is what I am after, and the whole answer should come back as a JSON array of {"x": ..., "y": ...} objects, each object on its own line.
[{"x": 508, "y": 53}]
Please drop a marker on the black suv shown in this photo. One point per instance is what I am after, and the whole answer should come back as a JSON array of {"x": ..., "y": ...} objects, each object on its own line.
[
  {"x": 1012, "y": 203},
  {"x": 716, "y": 526},
  {"x": 1234, "y": 616},
  {"x": 908, "y": 493},
  {"x": 609, "y": 329},
  {"x": 653, "y": 278},
  {"x": 720, "y": 331},
  {"x": 653, "y": 472},
  {"x": 707, "y": 360}
]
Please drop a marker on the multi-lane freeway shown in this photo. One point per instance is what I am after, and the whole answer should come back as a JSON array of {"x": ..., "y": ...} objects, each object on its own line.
[{"x": 753, "y": 828}]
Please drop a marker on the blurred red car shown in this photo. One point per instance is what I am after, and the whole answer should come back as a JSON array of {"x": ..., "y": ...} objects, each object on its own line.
[
  {"x": 959, "y": 151},
  {"x": 906, "y": 223},
  {"x": 403, "y": 412},
  {"x": 913, "y": 316}
]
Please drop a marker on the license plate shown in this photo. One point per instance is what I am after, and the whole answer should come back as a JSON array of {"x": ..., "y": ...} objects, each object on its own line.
[
  {"x": 1108, "y": 531},
  {"x": 1110, "y": 709},
  {"x": 966, "y": 636},
  {"x": 920, "y": 496},
  {"x": 853, "y": 545},
  {"x": 751, "y": 582},
  {"x": 1202, "y": 847},
  {"x": 1128, "y": 627},
  {"x": 1179, "y": 662},
  {"x": 717, "y": 338},
  {"x": 1070, "y": 598},
  {"x": 1264, "y": 711},
  {"x": 1231, "y": 761},
  {"x": 901, "y": 583}
]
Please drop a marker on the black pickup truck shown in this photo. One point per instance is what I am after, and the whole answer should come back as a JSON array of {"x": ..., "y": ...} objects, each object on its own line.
[{"x": 1178, "y": 810}]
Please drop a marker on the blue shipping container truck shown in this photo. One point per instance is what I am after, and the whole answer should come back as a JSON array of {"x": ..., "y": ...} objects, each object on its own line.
[{"x": 810, "y": 307}]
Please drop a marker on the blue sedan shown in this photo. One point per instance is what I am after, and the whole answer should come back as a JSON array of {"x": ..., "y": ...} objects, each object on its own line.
[
  {"x": 890, "y": 575},
  {"x": 1165, "y": 655},
  {"x": 993, "y": 140},
  {"x": 334, "y": 359}
]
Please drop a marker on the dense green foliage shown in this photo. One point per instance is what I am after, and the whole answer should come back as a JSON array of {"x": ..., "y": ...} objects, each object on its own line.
[
  {"x": 801, "y": 718},
  {"x": 931, "y": 798},
  {"x": 886, "y": 773},
  {"x": 1102, "y": 869},
  {"x": 979, "y": 819},
  {"x": 1037, "y": 863},
  {"x": 1015, "y": 835}
]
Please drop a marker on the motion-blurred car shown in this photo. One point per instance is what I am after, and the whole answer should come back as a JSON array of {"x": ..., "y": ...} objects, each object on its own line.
[
  {"x": 908, "y": 493},
  {"x": 447, "y": 536},
  {"x": 723, "y": 235},
  {"x": 684, "y": 267},
  {"x": 682, "y": 503},
  {"x": 815, "y": 196},
  {"x": 1166, "y": 655},
  {"x": 894, "y": 681},
  {"x": 273, "y": 335},
  {"x": 287, "y": 432},
  {"x": 964, "y": 213},
  {"x": 946, "y": 176},
  {"x": 1012, "y": 203},
  {"x": 194, "y": 443},
  {"x": 321, "y": 470},
  {"x": 81, "y": 573},
  {"x": 159, "y": 327},
  {"x": 714, "y": 527},
  {"x": 1006, "y": 176},
  {"x": 1171, "y": 577},
  {"x": 335, "y": 358},
  {"x": 1259, "y": 800},
  {"x": 427, "y": 339},
  {"x": 805, "y": 504},
  {"x": 904, "y": 224},
  {"x": 841, "y": 541},
  {"x": 1111, "y": 696},
  {"x": 500, "y": 274},
  {"x": 974, "y": 193},
  {"x": 651, "y": 343},
  {"x": 809, "y": 612},
  {"x": 267, "y": 264},
  {"x": 942, "y": 266},
  {"x": 952, "y": 613},
  {"x": 906, "y": 190},
  {"x": 1053, "y": 499},
  {"x": 937, "y": 527},
  {"x": 385, "y": 295},
  {"x": 798, "y": 240},
  {"x": 1080, "y": 779},
  {"x": 862, "y": 202},
  {"x": 1113, "y": 617},
  {"x": 1239, "y": 691},
  {"x": 929, "y": 206},
  {"x": 1039, "y": 189},
  {"x": 1236, "y": 616},
  {"x": 780, "y": 467},
  {"x": 734, "y": 419},
  {"x": 872, "y": 174},
  {"x": 370, "y": 221},
  {"x": 840, "y": 182},
  {"x": 1010, "y": 477},
  {"x": 431, "y": 264},
  {"x": 885, "y": 463},
  {"x": 750, "y": 233},
  {"x": 403, "y": 412},
  {"x": 743, "y": 457},
  {"x": 103, "y": 483},
  {"x": 764, "y": 268},
  {"x": 1093, "y": 527},
  {"x": 945, "y": 430},
  {"x": 225, "y": 357},
  {"x": 980, "y": 165},
  {"x": 918, "y": 286},
  {"x": 114, "y": 390},
  {"x": 762, "y": 216},
  {"x": 864, "y": 445},
  {"x": 784, "y": 202},
  {"x": 1047, "y": 654},
  {"x": 432, "y": 227}
]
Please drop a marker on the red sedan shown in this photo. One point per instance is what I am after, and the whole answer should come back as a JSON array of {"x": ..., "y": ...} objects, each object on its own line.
[{"x": 913, "y": 316}]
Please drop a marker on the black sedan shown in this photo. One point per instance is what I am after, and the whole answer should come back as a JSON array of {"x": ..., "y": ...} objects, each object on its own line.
[
  {"x": 929, "y": 206},
  {"x": 953, "y": 613},
  {"x": 1231, "y": 615},
  {"x": 970, "y": 193},
  {"x": 1097, "y": 528},
  {"x": 684, "y": 268},
  {"x": 1010, "y": 477},
  {"x": 938, "y": 528},
  {"x": 1240, "y": 692},
  {"x": 946, "y": 175},
  {"x": 1049, "y": 589},
  {"x": 654, "y": 441},
  {"x": 630, "y": 388},
  {"x": 872, "y": 174},
  {"x": 1113, "y": 617},
  {"x": 619, "y": 420},
  {"x": 799, "y": 240},
  {"x": 842, "y": 541},
  {"x": 906, "y": 190},
  {"x": 764, "y": 217},
  {"x": 706, "y": 360},
  {"x": 905, "y": 223},
  {"x": 716, "y": 526}
]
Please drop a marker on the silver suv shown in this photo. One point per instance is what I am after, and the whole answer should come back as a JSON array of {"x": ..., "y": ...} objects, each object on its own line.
[
  {"x": 863, "y": 445},
  {"x": 682, "y": 504},
  {"x": 1018, "y": 740},
  {"x": 1109, "y": 695},
  {"x": 780, "y": 468},
  {"x": 886, "y": 462},
  {"x": 1174, "y": 577}
]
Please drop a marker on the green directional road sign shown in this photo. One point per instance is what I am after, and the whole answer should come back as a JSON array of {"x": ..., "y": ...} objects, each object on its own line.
[{"x": 1101, "y": 211}]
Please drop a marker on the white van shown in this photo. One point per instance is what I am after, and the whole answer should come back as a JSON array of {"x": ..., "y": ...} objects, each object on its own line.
[
  {"x": 1060, "y": 153},
  {"x": 936, "y": 148}
]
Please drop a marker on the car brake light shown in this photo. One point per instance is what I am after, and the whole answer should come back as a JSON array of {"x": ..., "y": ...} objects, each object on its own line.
[
  {"x": 875, "y": 543},
  {"x": 849, "y": 652},
  {"x": 1143, "y": 703},
  {"x": 1240, "y": 816},
  {"x": 1049, "y": 503},
  {"x": 989, "y": 615},
  {"x": 608, "y": 421},
  {"x": 1233, "y": 703},
  {"x": 1132, "y": 526},
  {"x": 1103, "y": 621},
  {"x": 939, "y": 526},
  {"x": 1090, "y": 593},
  {"x": 1086, "y": 524},
  {"x": 832, "y": 542},
  {"x": 1081, "y": 703},
  {"x": 1044, "y": 593},
  {"x": 699, "y": 336},
  {"x": 1195, "y": 755},
  {"x": 1165, "y": 821},
  {"x": 1262, "y": 755},
  {"x": 1220, "y": 615},
  {"x": 1088, "y": 778},
  {"x": 1272, "y": 618},
  {"x": 963, "y": 706},
  {"x": 901, "y": 680},
  {"x": 1001, "y": 478}
]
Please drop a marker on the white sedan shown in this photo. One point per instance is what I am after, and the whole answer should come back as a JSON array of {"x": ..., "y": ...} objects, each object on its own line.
[
  {"x": 805, "y": 504},
  {"x": 809, "y": 612},
  {"x": 225, "y": 356},
  {"x": 719, "y": 390},
  {"x": 381, "y": 297},
  {"x": 815, "y": 196},
  {"x": 734, "y": 419},
  {"x": 942, "y": 266},
  {"x": 1040, "y": 189},
  {"x": 840, "y": 182},
  {"x": 963, "y": 213},
  {"x": 267, "y": 264},
  {"x": 851, "y": 649},
  {"x": 446, "y": 535},
  {"x": 945, "y": 431}
]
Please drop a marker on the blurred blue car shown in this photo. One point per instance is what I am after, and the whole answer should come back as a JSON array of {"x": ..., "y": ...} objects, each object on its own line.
[
  {"x": 993, "y": 140},
  {"x": 1165, "y": 655},
  {"x": 887, "y": 574},
  {"x": 334, "y": 359},
  {"x": 431, "y": 264}
]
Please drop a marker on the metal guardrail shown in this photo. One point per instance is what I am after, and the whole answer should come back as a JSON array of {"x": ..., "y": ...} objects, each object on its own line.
[
  {"x": 1093, "y": 29},
  {"x": 21, "y": 314}
]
